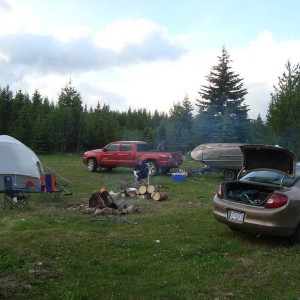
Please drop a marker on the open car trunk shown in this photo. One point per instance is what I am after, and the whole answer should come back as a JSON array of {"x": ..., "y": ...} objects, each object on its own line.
[
  {"x": 247, "y": 193},
  {"x": 260, "y": 158}
]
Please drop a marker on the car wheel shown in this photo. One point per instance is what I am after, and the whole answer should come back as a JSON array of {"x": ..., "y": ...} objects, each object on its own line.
[
  {"x": 92, "y": 165},
  {"x": 152, "y": 168},
  {"x": 295, "y": 239},
  {"x": 229, "y": 174}
]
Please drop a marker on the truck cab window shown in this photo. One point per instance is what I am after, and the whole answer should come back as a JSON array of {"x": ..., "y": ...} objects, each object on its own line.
[
  {"x": 112, "y": 147},
  {"x": 126, "y": 147},
  {"x": 141, "y": 147}
]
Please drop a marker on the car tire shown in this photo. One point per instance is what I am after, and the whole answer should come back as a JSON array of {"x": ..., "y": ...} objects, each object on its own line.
[
  {"x": 152, "y": 168},
  {"x": 229, "y": 174},
  {"x": 92, "y": 165},
  {"x": 295, "y": 239}
]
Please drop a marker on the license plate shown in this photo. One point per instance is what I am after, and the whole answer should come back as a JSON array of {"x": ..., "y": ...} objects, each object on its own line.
[{"x": 235, "y": 216}]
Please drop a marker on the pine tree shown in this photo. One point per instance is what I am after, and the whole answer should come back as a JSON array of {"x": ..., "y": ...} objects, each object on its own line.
[
  {"x": 6, "y": 97},
  {"x": 180, "y": 126},
  {"x": 69, "y": 119},
  {"x": 222, "y": 104}
]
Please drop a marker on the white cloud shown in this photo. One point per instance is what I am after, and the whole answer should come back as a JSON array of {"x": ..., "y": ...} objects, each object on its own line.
[
  {"x": 129, "y": 63},
  {"x": 260, "y": 64},
  {"x": 4, "y": 6},
  {"x": 121, "y": 32},
  {"x": 68, "y": 33}
]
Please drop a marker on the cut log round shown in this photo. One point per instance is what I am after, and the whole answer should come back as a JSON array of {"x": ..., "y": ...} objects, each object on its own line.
[
  {"x": 150, "y": 188},
  {"x": 144, "y": 196},
  {"x": 142, "y": 189},
  {"x": 159, "y": 196},
  {"x": 132, "y": 194}
]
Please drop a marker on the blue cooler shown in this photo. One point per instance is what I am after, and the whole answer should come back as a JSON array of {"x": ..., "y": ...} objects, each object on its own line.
[{"x": 179, "y": 176}]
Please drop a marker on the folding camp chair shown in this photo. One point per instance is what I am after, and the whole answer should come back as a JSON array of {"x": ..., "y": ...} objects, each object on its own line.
[
  {"x": 50, "y": 188},
  {"x": 14, "y": 198}
]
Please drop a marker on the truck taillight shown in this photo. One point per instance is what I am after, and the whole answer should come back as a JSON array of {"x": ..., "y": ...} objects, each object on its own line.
[
  {"x": 276, "y": 200},
  {"x": 219, "y": 192}
]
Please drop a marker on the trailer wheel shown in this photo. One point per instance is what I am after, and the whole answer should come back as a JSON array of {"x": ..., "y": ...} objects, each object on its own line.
[{"x": 229, "y": 174}]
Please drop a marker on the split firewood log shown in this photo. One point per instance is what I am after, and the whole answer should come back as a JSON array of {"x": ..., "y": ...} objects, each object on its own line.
[
  {"x": 159, "y": 196},
  {"x": 142, "y": 190},
  {"x": 150, "y": 188}
]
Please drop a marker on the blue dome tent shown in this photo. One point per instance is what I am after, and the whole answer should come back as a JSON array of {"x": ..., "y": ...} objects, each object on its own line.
[{"x": 21, "y": 163}]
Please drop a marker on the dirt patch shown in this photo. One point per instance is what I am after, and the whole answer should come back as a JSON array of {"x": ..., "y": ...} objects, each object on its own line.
[{"x": 9, "y": 284}]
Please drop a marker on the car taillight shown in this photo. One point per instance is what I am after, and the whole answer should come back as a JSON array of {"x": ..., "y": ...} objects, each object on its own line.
[
  {"x": 219, "y": 192},
  {"x": 276, "y": 200}
]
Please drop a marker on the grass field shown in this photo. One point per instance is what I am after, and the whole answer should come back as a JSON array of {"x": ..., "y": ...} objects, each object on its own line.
[{"x": 176, "y": 251}]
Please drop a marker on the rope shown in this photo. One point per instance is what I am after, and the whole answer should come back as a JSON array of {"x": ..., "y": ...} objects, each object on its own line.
[{"x": 56, "y": 173}]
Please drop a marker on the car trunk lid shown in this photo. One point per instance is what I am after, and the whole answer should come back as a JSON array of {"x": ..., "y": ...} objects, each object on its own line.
[{"x": 273, "y": 158}]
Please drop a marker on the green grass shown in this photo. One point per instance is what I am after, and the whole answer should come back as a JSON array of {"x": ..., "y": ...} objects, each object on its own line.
[{"x": 176, "y": 251}]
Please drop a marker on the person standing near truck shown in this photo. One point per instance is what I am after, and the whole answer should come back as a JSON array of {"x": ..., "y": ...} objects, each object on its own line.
[
  {"x": 141, "y": 170},
  {"x": 161, "y": 146}
]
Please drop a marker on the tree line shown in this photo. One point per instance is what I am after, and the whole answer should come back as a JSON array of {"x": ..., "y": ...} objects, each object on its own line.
[{"x": 221, "y": 115}]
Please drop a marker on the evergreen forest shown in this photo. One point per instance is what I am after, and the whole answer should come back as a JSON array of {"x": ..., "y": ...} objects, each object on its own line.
[{"x": 221, "y": 115}]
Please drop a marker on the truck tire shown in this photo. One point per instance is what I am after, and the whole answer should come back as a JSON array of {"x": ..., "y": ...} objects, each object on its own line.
[
  {"x": 92, "y": 165},
  {"x": 229, "y": 174},
  {"x": 152, "y": 168}
]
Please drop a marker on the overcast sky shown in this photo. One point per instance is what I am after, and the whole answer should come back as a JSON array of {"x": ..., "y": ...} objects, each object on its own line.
[{"x": 145, "y": 53}]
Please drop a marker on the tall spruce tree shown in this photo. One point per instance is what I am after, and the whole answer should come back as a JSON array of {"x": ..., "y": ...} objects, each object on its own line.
[
  {"x": 179, "y": 129},
  {"x": 69, "y": 119},
  {"x": 223, "y": 115},
  {"x": 284, "y": 109}
]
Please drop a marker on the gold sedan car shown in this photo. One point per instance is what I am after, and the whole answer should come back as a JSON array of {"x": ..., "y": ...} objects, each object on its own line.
[{"x": 267, "y": 199}]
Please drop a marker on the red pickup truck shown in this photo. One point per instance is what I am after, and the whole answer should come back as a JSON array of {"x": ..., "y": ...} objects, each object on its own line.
[{"x": 126, "y": 154}]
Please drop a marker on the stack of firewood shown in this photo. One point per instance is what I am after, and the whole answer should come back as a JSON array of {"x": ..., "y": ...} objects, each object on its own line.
[{"x": 142, "y": 190}]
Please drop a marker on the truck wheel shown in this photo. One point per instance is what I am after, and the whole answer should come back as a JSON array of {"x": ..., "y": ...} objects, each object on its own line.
[
  {"x": 152, "y": 168},
  {"x": 92, "y": 165},
  {"x": 229, "y": 174}
]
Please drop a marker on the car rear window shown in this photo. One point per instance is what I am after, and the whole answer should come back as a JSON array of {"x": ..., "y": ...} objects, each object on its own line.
[{"x": 269, "y": 177}]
